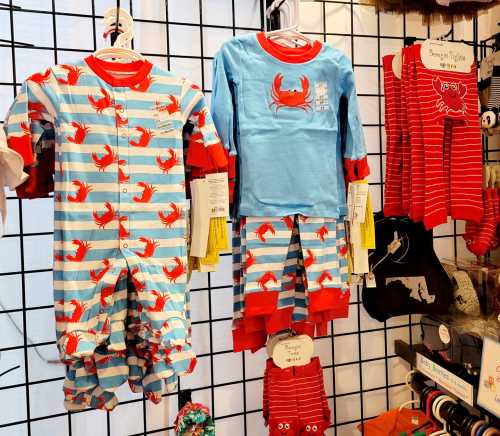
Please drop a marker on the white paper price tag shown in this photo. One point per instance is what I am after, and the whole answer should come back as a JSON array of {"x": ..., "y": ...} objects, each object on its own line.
[
  {"x": 294, "y": 351},
  {"x": 357, "y": 198},
  {"x": 370, "y": 280},
  {"x": 218, "y": 194},
  {"x": 447, "y": 56}
]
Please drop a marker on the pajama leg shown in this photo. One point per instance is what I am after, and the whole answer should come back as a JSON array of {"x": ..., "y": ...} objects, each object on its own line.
[
  {"x": 417, "y": 208},
  {"x": 393, "y": 175},
  {"x": 267, "y": 242},
  {"x": 445, "y": 95},
  {"x": 323, "y": 241},
  {"x": 281, "y": 319}
]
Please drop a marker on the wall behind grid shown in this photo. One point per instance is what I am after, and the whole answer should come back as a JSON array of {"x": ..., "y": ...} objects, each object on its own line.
[{"x": 362, "y": 375}]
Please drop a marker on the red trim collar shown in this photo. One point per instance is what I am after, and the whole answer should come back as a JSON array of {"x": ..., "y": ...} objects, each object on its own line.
[
  {"x": 101, "y": 68},
  {"x": 292, "y": 55}
]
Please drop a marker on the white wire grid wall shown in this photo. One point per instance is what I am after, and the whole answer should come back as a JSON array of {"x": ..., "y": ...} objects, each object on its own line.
[{"x": 362, "y": 374}]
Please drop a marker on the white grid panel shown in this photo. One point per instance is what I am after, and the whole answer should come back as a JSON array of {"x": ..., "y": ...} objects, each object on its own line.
[{"x": 362, "y": 375}]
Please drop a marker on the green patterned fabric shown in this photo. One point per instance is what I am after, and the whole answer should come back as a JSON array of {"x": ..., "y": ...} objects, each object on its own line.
[{"x": 194, "y": 414}]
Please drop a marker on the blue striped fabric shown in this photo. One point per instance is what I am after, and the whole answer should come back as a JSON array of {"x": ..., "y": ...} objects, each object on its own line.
[{"x": 119, "y": 218}]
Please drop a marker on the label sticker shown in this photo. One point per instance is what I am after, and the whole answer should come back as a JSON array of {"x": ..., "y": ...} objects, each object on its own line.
[
  {"x": 444, "y": 334},
  {"x": 321, "y": 97},
  {"x": 218, "y": 194}
]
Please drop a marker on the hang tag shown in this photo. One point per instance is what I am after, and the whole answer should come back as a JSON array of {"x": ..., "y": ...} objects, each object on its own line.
[
  {"x": 370, "y": 280},
  {"x": 321, "y": 97},
  {"x": 447, "y": 56},
  {"x": 273, "y": 340},
  {"x": 397, "y": 64},
  {"x": 357, "y": 198},
  {"x": 218, "y": 194},
  {"x": 294, "y": 351},
  {"x": 394, "y": 246}
]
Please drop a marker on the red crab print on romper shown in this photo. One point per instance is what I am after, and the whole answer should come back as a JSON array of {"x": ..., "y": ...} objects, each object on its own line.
[
  {"x": 178, "y": 270},
  {"x": 149, "y": 249},
  {"x": 82, "y": 191},
  {"x": 72, "y": 77},
  {"x": 160, "y": 301},
  {"x": 109, "y": 158},
  {"x": 451, "y": 96},
  {"x": 170, "y": 219},
  {"x": 325, "y": 275},
  {"x": 81, "y": 251},
  {"x": 291, "y": 98},
  {"x": 80, "y": 133},
  {"x": 22, "y": 142},
  {"x": 147, "y": 193},
  {"x": 173, "y": 107},
  {"x": 72, "y": 341},
  {"x": 167, "y": 164},
  {"x": 100, "y": 104},
  {"x": 76, "y": 315},
  {"x": 40, "y": 78},
  {"x": 96, "y": 277},
  {"x": 104, "y": 219},
  {"x": 145, "y": 138},
  {"x": 310, "y": 259}
]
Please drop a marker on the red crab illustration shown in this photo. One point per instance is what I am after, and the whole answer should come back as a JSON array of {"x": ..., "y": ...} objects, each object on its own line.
[
  {"x": 144, "y": 85},
  {"x": 321, "y": 233},
  {"x": 109, "y": 158},
  {"x": 149, "y": 249},
  {"x": 263, "y": 229},
  {"x": 145, "y": 138},
  {"x": 265, "y": 279},
  {"x": 122, "y": 231},
  {"x": 451, "y": 96},
  {"x": 102, "y": 103},
  {"x": 202, "y": 118},
  {"x": 288, "y": 220},
  {"x": 82, "y": 249},
  {"x": 289, "y": 98},
  {"x": 106, "y": 217},
  {"x": 76, "y": 315},
  {"x": 40, "y": 78},
  {"x": 73, "y": 75},
  {"x": 250, "y": 260},
  {"x": 325, "y": 275},
  {"x": 170, "y": 219},
  {"x": 82, "y": 192},
  {"x": 73, "y": 339},
  {"x": 167, "y": 164},
  {"x": 96, "y": 277},
  {"x": 161, "y": 300},
  {"x": 105, "y": 293},
  {"x": 176, "y": 271},
  {"x": 106, "y": 328},
  {"x": 147, "y": 193},
  {"x": 174, "y": 105},
  {"x": 80, "y": 133},
  {"x": 310, "y": 259}
]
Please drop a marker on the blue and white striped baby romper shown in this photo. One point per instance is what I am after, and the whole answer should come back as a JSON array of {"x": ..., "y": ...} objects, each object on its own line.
[{"x": 119, "y": 218}]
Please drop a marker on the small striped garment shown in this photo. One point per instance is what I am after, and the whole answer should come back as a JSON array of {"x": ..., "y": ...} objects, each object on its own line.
[{"x": 116, "y": 166}]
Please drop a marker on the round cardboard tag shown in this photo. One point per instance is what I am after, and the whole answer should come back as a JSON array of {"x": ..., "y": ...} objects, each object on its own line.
[
  {"x": 293, "y": 351},
  {"x": 444, "y": 334}
]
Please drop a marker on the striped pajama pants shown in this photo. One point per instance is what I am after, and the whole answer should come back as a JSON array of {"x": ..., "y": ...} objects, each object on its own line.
[{"x": 288, "y": 272}]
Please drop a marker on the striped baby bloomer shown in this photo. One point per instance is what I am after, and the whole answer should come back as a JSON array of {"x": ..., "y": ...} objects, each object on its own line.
[{"x": 116, "y": 164}]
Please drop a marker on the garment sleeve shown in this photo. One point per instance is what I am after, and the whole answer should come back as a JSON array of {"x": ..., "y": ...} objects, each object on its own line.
[
  {"x": 28, "y": 120},
  {"x": 355, "y": 160},
  {"x": 205, "y": 149},
  {"x": 223, "y": 94}
]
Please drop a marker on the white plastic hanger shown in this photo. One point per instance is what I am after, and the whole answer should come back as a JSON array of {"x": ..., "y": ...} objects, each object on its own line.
[
  {"x": 290, "y": 17},
  {"x": 121, "y": 51}
]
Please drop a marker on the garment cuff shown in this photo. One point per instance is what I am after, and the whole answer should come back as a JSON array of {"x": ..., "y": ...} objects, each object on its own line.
[
  {"x": 260, "y": 303},
  {"x": 356, "y": 169}
]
